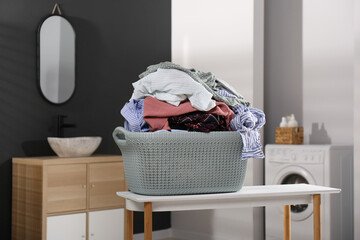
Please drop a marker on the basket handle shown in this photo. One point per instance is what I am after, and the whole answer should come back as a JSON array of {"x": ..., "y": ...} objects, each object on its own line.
[{"x": 119, "y": 135}]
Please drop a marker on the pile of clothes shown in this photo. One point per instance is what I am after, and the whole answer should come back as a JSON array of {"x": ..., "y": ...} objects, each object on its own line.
[{"x": 169, "y": 97}]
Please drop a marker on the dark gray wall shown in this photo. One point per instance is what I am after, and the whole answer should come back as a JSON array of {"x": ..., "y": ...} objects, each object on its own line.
[
  {"x": 283, "y": 84},
  {"x": 116, "y": 41}
]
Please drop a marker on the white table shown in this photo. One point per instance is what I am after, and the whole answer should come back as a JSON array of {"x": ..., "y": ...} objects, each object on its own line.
[{"x": 248, "y": 196}]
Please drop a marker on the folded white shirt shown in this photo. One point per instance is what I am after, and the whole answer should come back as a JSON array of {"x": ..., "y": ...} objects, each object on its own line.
[{"x": 173, "y": 86}]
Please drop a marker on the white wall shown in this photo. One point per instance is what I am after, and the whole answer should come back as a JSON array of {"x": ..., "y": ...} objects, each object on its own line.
[
  {"x": 328, "y": 58},
  {"x": 218, "y": 36},
  {"x": 357, "y": 120}
]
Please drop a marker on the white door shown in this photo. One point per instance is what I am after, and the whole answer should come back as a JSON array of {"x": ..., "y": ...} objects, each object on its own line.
[
  {"x": 69, "y": 227},
  {"x": 106, "y": 224}
]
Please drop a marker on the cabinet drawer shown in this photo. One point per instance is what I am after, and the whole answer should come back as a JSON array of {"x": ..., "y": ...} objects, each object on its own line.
[
  {"x": 105, "y": 180},
  {"x": 66, "y": 187},
  {"x": 66, "y": 227},
  {"x": 106, "y": 225}
]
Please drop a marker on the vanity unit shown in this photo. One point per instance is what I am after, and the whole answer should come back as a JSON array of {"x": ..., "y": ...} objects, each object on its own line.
[{"x": 68, "y": 198}]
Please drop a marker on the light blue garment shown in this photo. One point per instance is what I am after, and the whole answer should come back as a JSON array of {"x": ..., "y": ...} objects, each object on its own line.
[
  {"x": 133, "y": 112},
  {"x": 247, "y": 122}
]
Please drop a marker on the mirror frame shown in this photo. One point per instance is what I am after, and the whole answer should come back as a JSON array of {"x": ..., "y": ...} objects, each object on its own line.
[{"x": 38, "y": 59}]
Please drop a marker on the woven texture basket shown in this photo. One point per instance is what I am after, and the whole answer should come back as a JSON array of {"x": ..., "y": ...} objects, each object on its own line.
[
  {"x": 289, "y": 135},
  {"x": 173, "y": 163}
]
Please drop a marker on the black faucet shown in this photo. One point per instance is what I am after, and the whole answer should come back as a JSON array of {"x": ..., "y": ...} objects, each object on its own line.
[{"x": 60, "y": 125}]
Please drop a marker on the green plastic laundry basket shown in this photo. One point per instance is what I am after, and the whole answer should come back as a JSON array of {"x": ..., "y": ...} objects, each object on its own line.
[{"x": 173, "y": 163}]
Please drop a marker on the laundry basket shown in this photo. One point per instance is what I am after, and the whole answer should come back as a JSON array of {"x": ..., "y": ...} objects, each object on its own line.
[{"x": 173, "y": 163}]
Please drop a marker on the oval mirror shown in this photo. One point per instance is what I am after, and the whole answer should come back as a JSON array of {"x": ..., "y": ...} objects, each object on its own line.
[{"x": 57, "y": 59}]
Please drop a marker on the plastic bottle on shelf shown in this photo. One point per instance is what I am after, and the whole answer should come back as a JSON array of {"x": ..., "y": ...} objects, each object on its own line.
[
  {"x": 283, "y": 122},
  {"x": 292, "y": 121}
]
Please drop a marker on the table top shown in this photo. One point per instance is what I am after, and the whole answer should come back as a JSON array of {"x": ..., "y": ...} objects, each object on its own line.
[
  {"x": 248, "y": 196},
  {"x": 245, "y": 192}
]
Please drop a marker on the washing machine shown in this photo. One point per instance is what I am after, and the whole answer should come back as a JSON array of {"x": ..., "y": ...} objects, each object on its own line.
[{"x": 325, "y": 165}]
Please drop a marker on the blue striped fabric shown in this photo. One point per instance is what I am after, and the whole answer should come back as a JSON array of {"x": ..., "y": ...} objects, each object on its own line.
[
  {"x": 247, "y": 122},
  {"x": 133, "y": 113}
]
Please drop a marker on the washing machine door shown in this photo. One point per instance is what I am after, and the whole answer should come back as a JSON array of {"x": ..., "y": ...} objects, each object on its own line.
[{"x": 296, "y": 175}]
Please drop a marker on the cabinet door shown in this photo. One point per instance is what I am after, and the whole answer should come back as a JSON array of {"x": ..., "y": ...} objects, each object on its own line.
[
  {"x": 107, "y": 224},
  {"x": 66, "y": 187},
  {"x": 105, "y": 180},
  {"x": 69, "y": 227}
]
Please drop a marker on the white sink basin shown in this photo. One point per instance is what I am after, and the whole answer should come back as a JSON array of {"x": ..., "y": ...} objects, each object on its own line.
[{"x": 75, "y": 146}]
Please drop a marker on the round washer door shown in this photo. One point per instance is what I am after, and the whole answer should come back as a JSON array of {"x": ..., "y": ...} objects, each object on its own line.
[{"x": 296, "y": 175}]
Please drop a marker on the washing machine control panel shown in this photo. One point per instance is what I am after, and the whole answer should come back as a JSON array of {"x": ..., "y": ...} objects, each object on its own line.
[{"x": 286, "y": 155}]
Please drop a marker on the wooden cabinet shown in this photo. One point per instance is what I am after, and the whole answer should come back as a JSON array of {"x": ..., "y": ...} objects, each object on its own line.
[
  {"x": 52, "y": 195},
  {"x": 104, "y": 180},
  {"x": 66, "y": 187}
]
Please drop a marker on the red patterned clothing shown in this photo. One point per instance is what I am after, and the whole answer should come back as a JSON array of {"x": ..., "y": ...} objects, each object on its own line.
[{"x": 198, "y": 122}]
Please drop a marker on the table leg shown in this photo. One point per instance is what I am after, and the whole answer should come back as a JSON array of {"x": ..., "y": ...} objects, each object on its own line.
[
  {"x": 148, "y": 221},
  {"x": 287, "y": 223},
  {"x": 317, "y": 216},
  {"x": 128, "y": 225}
]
